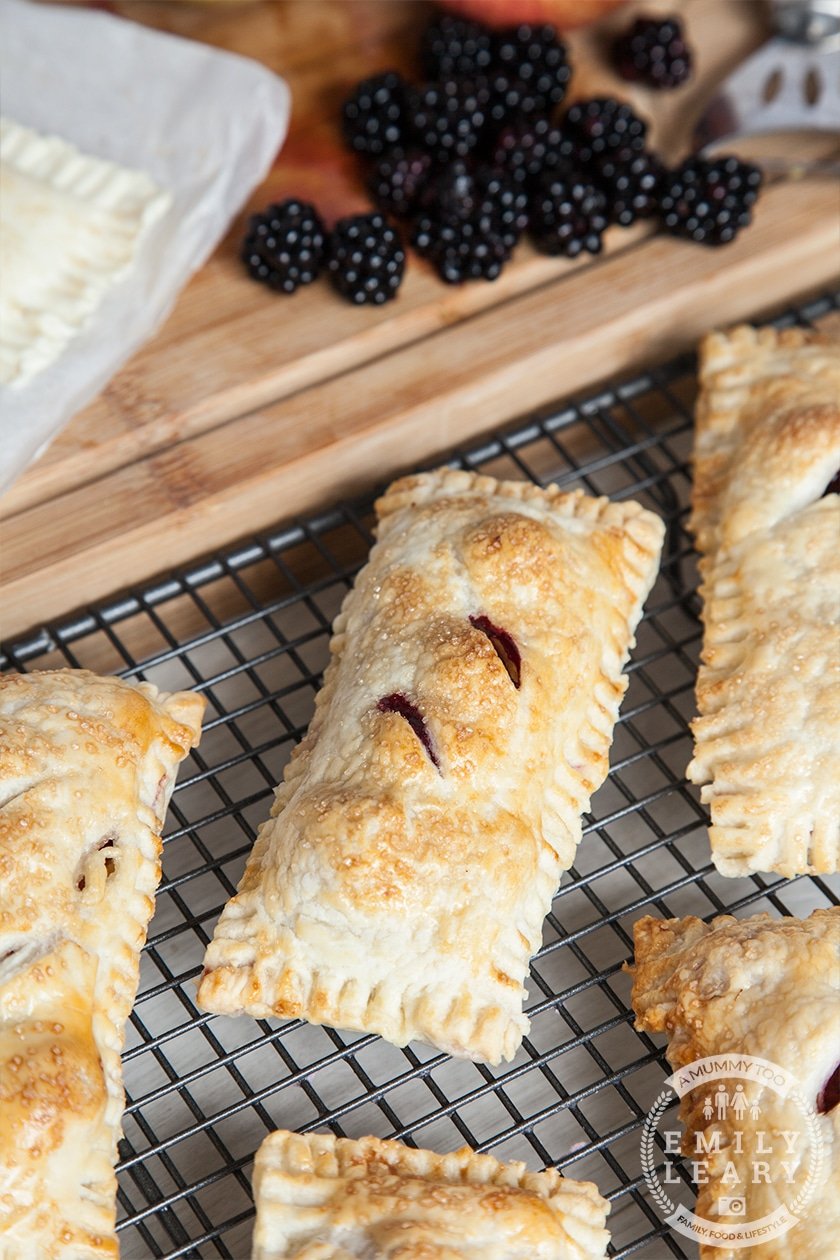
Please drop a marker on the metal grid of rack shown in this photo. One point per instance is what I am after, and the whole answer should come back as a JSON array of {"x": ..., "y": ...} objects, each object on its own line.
[{"x": 250, "y": 630}]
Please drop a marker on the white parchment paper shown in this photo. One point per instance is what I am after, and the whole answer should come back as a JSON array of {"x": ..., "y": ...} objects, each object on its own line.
[{"x": 204, "y": 124}]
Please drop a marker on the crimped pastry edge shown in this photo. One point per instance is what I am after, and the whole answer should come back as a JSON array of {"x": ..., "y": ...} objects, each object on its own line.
[
  {"x": 284, "y": 1154},
  {"x": 45, "y": 157},
  {"x": 742, "y": 840}
]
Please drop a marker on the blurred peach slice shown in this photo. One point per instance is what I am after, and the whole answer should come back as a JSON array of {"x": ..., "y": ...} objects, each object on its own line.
[{"x": 564, "y": 14}]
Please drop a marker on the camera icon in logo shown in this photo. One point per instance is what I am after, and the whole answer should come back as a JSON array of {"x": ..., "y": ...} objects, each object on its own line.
[{"x": 735, "y": 1206}]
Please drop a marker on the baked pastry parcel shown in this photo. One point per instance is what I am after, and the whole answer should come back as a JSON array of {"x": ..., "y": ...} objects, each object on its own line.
[
  {"x": 766, "y": 515},
  {"x": 465, "y": 718},
  {"x": 325, "y": 1197},
  {"x": 70, "y": 227},
  {"x": 767, "y": 988},
  {"x": 87, "y": 765}
]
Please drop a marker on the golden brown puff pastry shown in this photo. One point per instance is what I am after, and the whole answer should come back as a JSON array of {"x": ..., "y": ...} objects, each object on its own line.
[
  {"x": 87, "y": 765},
  {"x": 466, "y": 716},
  {"x": 767, "y": 741},
  {"x": 764, "y": 987},
  {"x": 325, "y": 1198}
]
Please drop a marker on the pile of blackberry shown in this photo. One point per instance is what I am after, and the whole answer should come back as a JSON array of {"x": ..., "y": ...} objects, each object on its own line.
[{"x": 478, "y": 153}]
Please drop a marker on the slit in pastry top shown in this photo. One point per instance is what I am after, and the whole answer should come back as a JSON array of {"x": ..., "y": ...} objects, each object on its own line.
[
  {"x": 397, "y": 703},
  {"x": 504, "y": 646},
  {"x": 829, "y": 1096},
  {"x": 485, "y": 637}
]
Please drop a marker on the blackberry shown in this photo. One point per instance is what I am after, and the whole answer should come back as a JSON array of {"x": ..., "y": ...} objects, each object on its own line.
[
  {"x": 504, "y": 203},
  {"x": 483, "y": 194},
  {"x": 454, "y": 48},
  {"x": 374, "y": 117},
  {"x": 631, "y": 184},
  {"x": 538, "y": 59},
  {"x": 366, "y": 259},
  {"x": 470, "y": 222},
  {"x": 284, "y": 246},
  {"x": 602, "y": 127},
  {"x": 398, "y": 180},
  {"x": 568, "y": 214},
  {"x": 504, "y": 98},
  {"x": 450, "y": 191},
  {"x": 709, "y": 200},
  {"x": 653, "y": 51},
  {"x": 446, "y": 118},
  {"x": 528, "y": 147},
  {"x": 460, "y": 249}
]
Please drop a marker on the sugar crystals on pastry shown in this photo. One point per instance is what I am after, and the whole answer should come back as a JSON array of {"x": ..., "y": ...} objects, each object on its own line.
[
  {"x": 87, "y": 766},
  {"x": 766, "y": 515},
  {"x": 466, "y": 716},
  {"x": 318, "y": 1195}
]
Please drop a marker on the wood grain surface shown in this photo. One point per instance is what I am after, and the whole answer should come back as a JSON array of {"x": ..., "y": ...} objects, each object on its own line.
[{"x": 248, "y": 406}]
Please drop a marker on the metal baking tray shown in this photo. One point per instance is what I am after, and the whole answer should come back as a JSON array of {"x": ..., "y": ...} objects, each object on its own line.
[{"x": 249, "y": 628}]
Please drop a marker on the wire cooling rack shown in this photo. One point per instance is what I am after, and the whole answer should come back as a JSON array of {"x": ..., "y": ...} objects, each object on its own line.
[{"x": 250, "y": 630}]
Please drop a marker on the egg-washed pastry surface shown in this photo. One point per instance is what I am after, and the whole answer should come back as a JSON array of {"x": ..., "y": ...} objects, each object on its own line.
[
  {"x": 768, "y": 988},
  {"x": 70, "y": 226},
  {"x": 466, "y": 716},
  {"x": 766, "y": 515},
  {"x": 87, "y": 765},
  {"x": 324, "y": 1197}
]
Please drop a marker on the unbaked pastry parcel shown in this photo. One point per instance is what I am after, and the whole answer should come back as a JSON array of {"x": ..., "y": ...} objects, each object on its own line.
[
  {"x": 87, "y": 765},
  {"x": 321, "y": 1196},
  {"x": 766, "y": 515},
  {"x": 465, "y": 719},
  {"x": 769, "y": 988},
  {"x": 70, "y": 227}
]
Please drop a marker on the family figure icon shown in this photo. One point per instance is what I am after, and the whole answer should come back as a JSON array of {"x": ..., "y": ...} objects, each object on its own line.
[{"x": 722, "y": 1102}]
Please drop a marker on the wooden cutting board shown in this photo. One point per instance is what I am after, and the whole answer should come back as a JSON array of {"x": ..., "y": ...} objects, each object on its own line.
[{"x": 248, "y": 406}]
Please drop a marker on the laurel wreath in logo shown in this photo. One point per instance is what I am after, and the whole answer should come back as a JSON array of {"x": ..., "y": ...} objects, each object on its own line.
[
  {"x": 648, "y": 1153},
  {"x": 817, "y": 1149}
]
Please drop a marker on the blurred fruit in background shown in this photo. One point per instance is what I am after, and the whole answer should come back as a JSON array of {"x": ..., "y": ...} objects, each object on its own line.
[{"x": 564, "y": 14}]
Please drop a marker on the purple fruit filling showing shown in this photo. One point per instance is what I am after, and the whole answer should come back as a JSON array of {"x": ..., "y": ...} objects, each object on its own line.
[
  {"x": 504, "y": 646},
  {"x": 829, "y": 1095},
  {"x": 398, "y": 703},
  {"x": 833, "y": 486}
]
